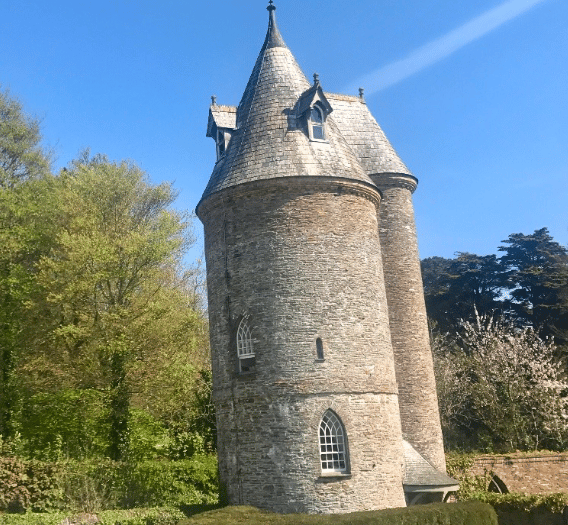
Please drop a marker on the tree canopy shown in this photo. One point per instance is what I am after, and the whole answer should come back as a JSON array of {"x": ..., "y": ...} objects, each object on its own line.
[
  {"x": 21, "y": 153},
  {"x": 99, "y": 314},
  {"x": 528, "y": 285}
]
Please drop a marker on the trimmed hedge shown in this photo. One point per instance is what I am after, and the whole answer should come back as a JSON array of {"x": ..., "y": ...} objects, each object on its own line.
[
  {"x": 468, "y": 513},
  {"x": 527, "y": 509},
  {"x": 154, "y": 516}
]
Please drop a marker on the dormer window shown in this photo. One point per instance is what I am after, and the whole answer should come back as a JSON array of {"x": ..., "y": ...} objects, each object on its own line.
[
  {"x": 221, "y": 143},
  {"x": 221, "y": 125},
  {"x": 222, "y": 139},
  {"x": 316, "y": 123},
  {"x": 311, "y": 112}
]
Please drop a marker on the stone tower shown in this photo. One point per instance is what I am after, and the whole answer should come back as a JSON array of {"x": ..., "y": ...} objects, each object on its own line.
[{"x": 318, "y": 367}]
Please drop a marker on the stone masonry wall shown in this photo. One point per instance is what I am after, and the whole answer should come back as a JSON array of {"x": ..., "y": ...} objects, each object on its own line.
[
  {"x": 408, "y": 322},
  {"x": 538, "y": 474},
  {"x": 301, "y": 258}
]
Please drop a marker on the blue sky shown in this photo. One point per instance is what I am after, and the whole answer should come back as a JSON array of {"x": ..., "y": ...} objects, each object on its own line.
[{"x": 473, "y": 95}]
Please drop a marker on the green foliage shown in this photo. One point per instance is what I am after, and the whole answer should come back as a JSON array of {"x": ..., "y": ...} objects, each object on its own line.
[
  {"x": 65, "y": 424},
  {"x": 93, "y": 486},
  {"x": 29, "y": 485},
  {"x": 94, "y": 299},
  {"x": 140, "y": 516},
  {"x": 458, "y": 467},
  {"x": 471, "y": 513},
  {"x": 527, "y": 285},
  {"x": 187, "y": 482},
  {"x": 21, "y": 154},
  {"x": 455, "y": 288},
  {"x": 523, "y": 502},
  {"x": 536, "y": 270}
]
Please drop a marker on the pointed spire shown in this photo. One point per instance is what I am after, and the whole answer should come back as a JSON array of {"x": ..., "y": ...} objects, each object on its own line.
[{"x": 273, "y": 36}]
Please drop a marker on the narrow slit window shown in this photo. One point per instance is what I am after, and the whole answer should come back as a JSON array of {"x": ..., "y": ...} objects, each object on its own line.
[
  {"x": 333, "y": 444},
  {"x": 245, "y": 351},
  {"x": 319, "y": 349}
]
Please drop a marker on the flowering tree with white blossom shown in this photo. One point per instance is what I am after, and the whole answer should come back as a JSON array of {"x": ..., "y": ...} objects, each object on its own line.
[{"x": 501, "y": 388}]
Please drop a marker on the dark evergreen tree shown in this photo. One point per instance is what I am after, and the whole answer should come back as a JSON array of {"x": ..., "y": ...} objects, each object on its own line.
[
  {"x": 536, "y": 271},
  {"x": 455, "y": 289}
]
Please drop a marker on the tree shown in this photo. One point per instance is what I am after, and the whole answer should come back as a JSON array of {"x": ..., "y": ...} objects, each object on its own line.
[
  {"x": 24, "y": 234},
  {"x": 504, "y": 388},
  {"x": 117, "y": 245},
  {"x": 455, "y": 289},
  {"x": 21, "y": 153},
  {"x": 536, "y": 269}
]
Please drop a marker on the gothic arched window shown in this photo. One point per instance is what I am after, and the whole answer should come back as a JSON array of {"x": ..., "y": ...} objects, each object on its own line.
[
  {"x": 333, "y": 444},
  {"x": 316, "y": 123},
  {"x": 245, "y": 351}
]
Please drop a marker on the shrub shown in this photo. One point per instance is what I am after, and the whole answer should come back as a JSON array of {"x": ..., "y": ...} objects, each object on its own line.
[
  {"x": 151, "y": 516},
  {"x": 524, "y": 502},
  {"x": 187, "y": 482},
  {"x": 30, "y": 485},
  {"x": 91, "y": 486},
  {"x": 471, "y": 513}
]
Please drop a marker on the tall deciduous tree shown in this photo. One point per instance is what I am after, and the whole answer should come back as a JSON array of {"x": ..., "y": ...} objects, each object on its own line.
[
  {"x": 22, "y": 155},
  {"x": 24, "y": 164},
  {"x": 117, "y": 243}
]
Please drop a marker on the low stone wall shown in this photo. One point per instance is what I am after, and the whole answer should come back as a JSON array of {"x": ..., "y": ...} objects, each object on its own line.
[{"x": 531, "y": 474}]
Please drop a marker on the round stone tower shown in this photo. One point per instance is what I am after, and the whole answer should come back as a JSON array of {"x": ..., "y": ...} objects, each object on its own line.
[
  {"x": 304, "y": 380},
  {"x": 418, "y": 400}
]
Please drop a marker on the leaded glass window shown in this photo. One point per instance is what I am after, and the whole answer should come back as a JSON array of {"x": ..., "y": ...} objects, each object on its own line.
[
  {"x": 245, "y": 351},
  {"x": 333, "y": 445}
]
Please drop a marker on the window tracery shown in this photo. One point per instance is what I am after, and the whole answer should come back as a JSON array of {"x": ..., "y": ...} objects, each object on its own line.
[
  {"x": 245, "y": 351},
  {"x": 333, "y": 444}
]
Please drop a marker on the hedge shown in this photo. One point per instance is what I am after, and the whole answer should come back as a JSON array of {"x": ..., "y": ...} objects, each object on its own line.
[
  {"x": 153, "y": 516},
  {"x": 468, "y": 513}
]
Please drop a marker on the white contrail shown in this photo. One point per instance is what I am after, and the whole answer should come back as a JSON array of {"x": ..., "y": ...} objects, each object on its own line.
[{"x": 441, "y": 47}]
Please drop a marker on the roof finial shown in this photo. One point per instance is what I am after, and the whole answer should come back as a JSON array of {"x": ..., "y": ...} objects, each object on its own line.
[
  {"x": 273, "y": 36},
  {"x": 213, "y": 100},
  {"x": 316, "y": 80},
  {"x": 362, "y": 93}
]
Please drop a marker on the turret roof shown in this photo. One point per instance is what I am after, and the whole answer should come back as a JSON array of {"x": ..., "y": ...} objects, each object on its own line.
[
  {"x": 365, "y": 136},
  {"x": 267, "y": 143}
]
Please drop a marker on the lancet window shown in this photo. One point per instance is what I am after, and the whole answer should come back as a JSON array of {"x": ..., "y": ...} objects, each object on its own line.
[
  {"x": 333, "y": 444},
  {"x": 245, "y": 350}
]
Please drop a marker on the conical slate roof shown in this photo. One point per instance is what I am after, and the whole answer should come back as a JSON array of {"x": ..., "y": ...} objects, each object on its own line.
[
  {"x": 365, "y": 136},
  {"x": 267, "y": 144}
]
